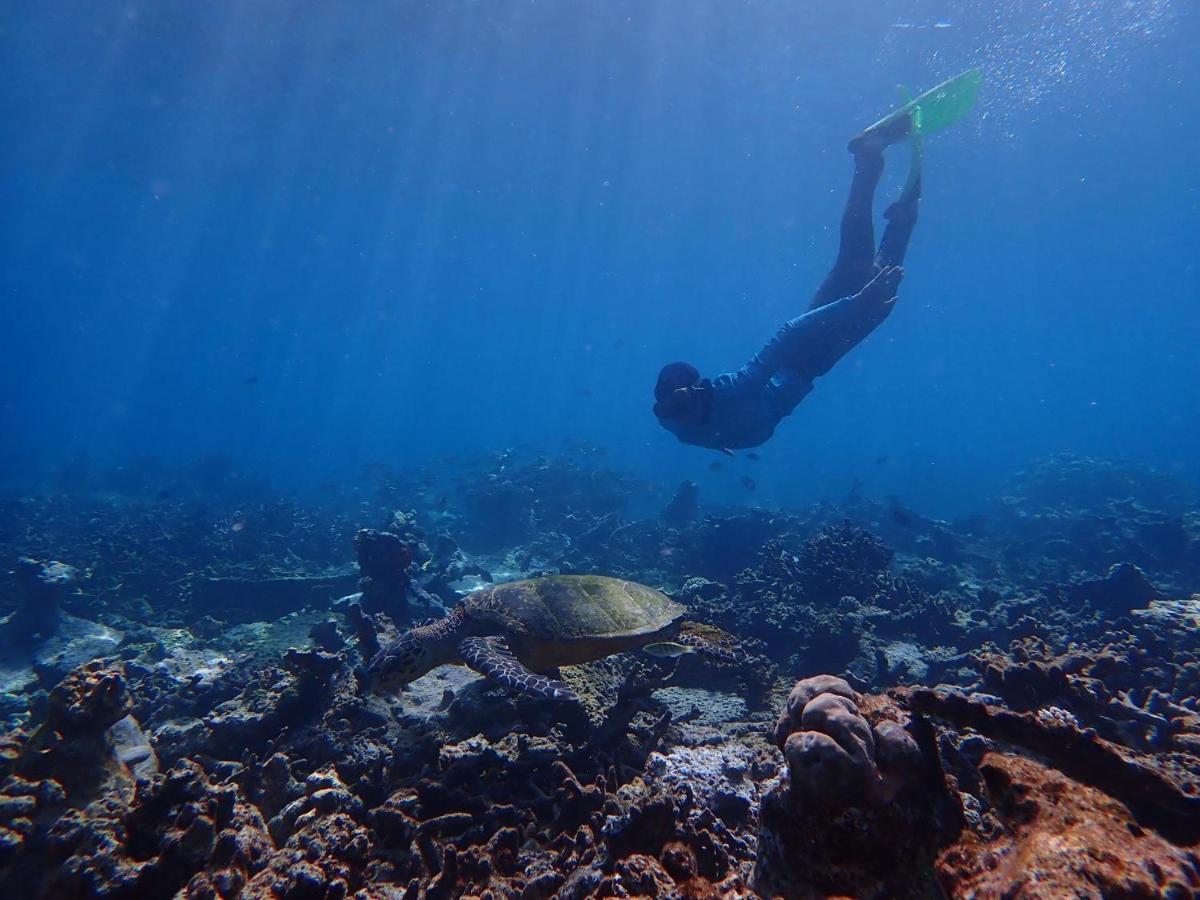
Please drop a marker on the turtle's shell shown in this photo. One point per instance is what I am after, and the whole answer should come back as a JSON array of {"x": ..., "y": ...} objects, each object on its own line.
[{"x": 573, "y": 607}]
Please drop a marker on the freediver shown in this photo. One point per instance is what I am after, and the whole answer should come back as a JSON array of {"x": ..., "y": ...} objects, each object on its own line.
[{"x": 741, "y": 409}]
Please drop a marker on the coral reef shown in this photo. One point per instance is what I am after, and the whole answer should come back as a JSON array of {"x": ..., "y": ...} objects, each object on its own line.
[
  {"x": 1130, "y": 691},
  {"x": 40, "y": 641},
  {"x": 1070, "y": 514},
  {"x": 982, "y": 800},
  {"x": 281, "y": 799},
  {"x": 1163, "y": 791},
  {"x": 835, "y": 758},
  {"x": 859, "y": 812},
  {"x": 383, "y": 560},
  {"x": 831, "y": 603},
  {"x": 1059, "y": 838},
  {"x": 41, "y": 586},
  {"x": 1013, "y": 711},
  {"x": 78, "y": 770},
  {"x": 684, "y": 506}
]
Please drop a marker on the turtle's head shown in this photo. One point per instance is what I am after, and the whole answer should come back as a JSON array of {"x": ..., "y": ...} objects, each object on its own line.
[
  {"x": 398, "y": 664},
  {"x": 416, "y": 652}
]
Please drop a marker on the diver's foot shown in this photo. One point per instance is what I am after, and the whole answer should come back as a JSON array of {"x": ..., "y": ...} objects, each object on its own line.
[{"x": 874, "y": 141}]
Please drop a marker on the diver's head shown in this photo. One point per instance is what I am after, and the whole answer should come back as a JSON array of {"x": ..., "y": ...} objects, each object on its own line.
[
  {"x": 680, "y": 394},
  {"x": 674, "y": 376},
  {"x": 395, "y": 666}
]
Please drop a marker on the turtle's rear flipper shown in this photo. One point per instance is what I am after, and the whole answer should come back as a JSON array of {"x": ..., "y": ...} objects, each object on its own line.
[{"x": 491, "y": 657}]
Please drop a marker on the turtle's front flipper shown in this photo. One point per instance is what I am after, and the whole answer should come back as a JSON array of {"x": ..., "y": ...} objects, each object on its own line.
[{"x": 490, "y": 656}]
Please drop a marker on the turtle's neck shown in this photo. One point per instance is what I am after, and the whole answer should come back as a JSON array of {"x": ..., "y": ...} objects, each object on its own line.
[{"x": 447, "y": 628}]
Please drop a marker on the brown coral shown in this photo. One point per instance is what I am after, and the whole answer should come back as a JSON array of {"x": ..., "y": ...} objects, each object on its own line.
[
  {"x": 1161, "y": 795},
  {"x": 843, "y": 822},
  {"x": 1061, "y": 839},
  {"x": 1108, "y": 685}
]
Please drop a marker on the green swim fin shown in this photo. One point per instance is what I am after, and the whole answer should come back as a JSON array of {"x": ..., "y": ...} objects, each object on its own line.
[
  {"x": 912, "y": 185},
  {"x": 939, "y": 106}
]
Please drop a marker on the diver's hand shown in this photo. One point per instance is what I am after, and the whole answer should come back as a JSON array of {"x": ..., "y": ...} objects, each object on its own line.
[{"x": 880, "y": 291}]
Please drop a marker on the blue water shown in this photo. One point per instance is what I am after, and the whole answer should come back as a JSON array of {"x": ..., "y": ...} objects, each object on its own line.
[{"x": 313, "y": 235}]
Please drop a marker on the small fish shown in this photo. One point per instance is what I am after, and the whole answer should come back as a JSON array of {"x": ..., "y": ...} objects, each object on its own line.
[
  {"x": 880, "y": 460},
  {"x": 442, "y": 504},
  {"x": 754, "y": 456},
  {"x": 715, "y": 466},
  {"x": 748, "y": 483},
  {"x": 937, "y": 24},
  {"x": 251, "y": 381},
  {"x": 667, "y": 650}
]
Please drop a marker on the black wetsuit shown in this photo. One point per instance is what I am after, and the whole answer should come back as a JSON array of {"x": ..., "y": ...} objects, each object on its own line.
[{"x": 744, "y": 407}]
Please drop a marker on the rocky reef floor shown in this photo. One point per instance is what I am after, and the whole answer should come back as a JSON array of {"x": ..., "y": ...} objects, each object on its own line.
[{"x": 1002, "y": 706}]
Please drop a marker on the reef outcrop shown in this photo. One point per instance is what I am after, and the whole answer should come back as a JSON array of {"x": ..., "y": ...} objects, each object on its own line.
[
  {"x": 1056, "y": 837},
  {"x": 833, "y": 603},
  {"x": 921, "y": 790},
  {"x": 40, "y": 641},
  {"x": 861, "y": 811}
]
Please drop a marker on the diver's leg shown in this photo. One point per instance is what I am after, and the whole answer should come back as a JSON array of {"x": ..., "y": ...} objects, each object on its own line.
[
  {"x": 856, "y": 251},
  {"x": 902, "y": 217},
  {"x": 823, "y": 336},
  {"x": 855, "y": 264}
]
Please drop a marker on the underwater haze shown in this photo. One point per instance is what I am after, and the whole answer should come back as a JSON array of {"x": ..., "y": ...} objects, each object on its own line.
[
  {"x": 441, "y": 456},
  {"x": 310, "y": 236}
]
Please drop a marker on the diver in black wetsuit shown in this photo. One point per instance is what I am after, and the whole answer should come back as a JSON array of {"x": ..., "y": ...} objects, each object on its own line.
[{"x": 741, "y": 409}]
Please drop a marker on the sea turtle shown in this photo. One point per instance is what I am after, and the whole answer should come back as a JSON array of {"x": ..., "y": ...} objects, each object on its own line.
[{"x": 511, "y": 632}]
